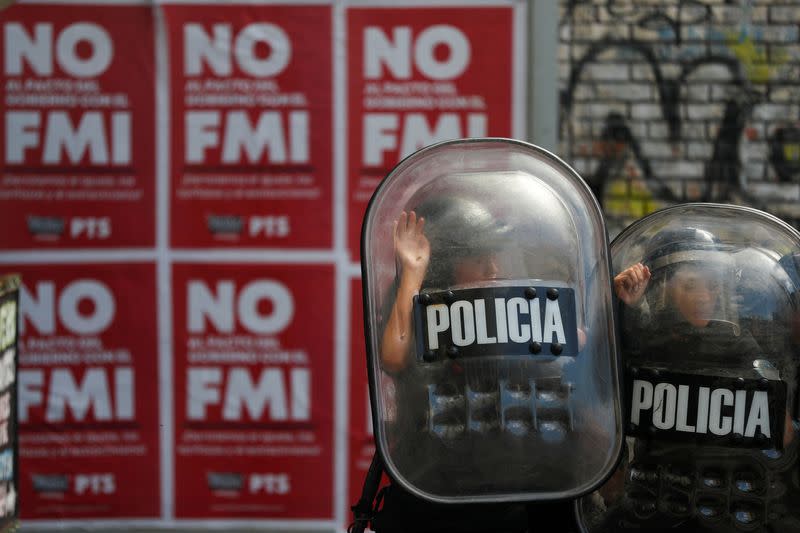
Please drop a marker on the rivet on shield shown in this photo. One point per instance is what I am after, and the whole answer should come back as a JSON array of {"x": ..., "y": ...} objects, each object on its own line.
[
  {"x": 556, "y": 348},
  {"x": 634, "y": 371},
  {"x": 425, "y": 298},
  {"x": 530, "y": 293},
  {"x": 763, "y": 383},
  {"x": 452, "y": 351},
  {"x": 449, "y": 297},
  {"x": 737, "y": 437},
  {"x": 429, "y": 356},
  {"x": 740, "y": 382},
  {"x": 535, "y": 347},
  {"x": 552, "y": 293}
]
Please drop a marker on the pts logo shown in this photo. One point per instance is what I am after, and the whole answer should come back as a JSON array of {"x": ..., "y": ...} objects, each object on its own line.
[
  {"x": 269, "y": 484},
  {"x": 95, "y": 484},
  {"x": 257, "y": 226},
  {"x": 256, "y": 483},
  {"x": 395, "y": 55},
  {"x": 269, "y": 226},
  {"x": 81, "y": 484},
  {"x": 92, "y": 318},
  {"x": 90, "y": 228}
]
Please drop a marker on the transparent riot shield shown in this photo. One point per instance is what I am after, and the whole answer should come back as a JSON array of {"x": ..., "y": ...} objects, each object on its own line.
[
  {"x": 708, "y": 328},
  {"x": 490, "y": 336}
]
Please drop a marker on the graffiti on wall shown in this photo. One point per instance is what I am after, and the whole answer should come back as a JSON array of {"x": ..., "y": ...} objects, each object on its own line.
[{"x": 682, "y": 101}]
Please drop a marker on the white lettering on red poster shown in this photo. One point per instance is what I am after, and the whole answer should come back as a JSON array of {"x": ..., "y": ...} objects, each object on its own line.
[
  {"x": 87, "y": 401},
  {"x": 251, "y": 112},
  {"x": 418, "y": 76},
  {"x": 253, "y": 364},
  {"x": 78, "y": 127}
]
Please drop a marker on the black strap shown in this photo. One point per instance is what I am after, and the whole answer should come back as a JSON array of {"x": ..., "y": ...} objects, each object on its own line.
[{"x": 363, "y": 510}]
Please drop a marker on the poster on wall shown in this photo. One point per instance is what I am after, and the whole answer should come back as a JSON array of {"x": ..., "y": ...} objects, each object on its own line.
[
  {"x": 77, "y": 161},
  {"x": 254, "y": 378},
  {"x": 251, "y": 109},
  {"x": 419, "y": 75},
  {"x": 88, "y": 392}
]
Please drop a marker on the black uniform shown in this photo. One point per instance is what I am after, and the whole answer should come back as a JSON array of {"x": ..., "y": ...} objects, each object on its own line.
[{"x": 691, "y": 487}]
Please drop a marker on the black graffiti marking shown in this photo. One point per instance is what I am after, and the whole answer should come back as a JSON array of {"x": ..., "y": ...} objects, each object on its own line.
[
  {"x": 667, "y": 90},
  {"x": 721, "y": 172}
]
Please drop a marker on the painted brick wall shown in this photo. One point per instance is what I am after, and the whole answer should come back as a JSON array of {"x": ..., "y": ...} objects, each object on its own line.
[{"x": 666, "y": 101}]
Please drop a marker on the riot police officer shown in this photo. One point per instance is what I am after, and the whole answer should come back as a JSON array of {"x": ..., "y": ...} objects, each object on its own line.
[
  {"x": 493, "y": 370},
  {"x": 710, "y": 377}
]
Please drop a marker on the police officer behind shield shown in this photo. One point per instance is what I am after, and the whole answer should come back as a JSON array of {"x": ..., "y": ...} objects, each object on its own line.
[
  {"x": 686, "y": 320},
  {"x": 447, "y": 259},
  {"x": 686, "y": 314},
  {"x": 679, "y": 315},
  {"x": 489, "y": 332}
]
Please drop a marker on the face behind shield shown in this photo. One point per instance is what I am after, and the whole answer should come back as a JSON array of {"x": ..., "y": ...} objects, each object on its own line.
[
  {"x": 487, "y": 301},
  {"x": 689, "y": 300}
]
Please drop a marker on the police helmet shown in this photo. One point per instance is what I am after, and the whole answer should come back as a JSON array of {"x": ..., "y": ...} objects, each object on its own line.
[
  {"x": 674, "y": 249},
  {"x": 457, "y": 228}
]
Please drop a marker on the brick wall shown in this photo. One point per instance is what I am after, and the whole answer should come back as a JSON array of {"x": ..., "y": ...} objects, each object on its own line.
[{"x": 666, "y": 101}]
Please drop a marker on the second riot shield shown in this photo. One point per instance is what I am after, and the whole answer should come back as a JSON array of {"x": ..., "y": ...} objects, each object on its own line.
[{"x": 708, "y": 317}]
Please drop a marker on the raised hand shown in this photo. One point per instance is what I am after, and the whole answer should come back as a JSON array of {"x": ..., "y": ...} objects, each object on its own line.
[
  {"x": 413, "y": 252},
  {"x": 631, "y": 283},
  {"x": 411, "y": 247}
]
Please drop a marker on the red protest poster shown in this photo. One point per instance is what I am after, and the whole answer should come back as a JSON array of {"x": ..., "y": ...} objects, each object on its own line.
[
  {"x": 361, "y": 442},
  {"x": 88, "y": 392},
  {"x": 77, "y": 163},
  {"x": 251, "y": 157},
  {"x": 254, "y": 408},
  {"x": 419, "y": 75}
]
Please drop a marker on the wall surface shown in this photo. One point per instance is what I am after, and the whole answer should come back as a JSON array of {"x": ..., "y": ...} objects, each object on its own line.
[
  {"x": 682, "y": 100},
  {"x": 182, "y": 188},
  {"x": 184, "y": 196}
]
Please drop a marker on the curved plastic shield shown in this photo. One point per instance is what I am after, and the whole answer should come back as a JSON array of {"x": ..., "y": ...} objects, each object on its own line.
[
  {"x": 490, "y": 335},
  {"x": 709, "y": 335}
]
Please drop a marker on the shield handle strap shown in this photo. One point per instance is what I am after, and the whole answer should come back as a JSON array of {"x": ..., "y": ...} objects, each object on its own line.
[{"x": 363, "y": 511}]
